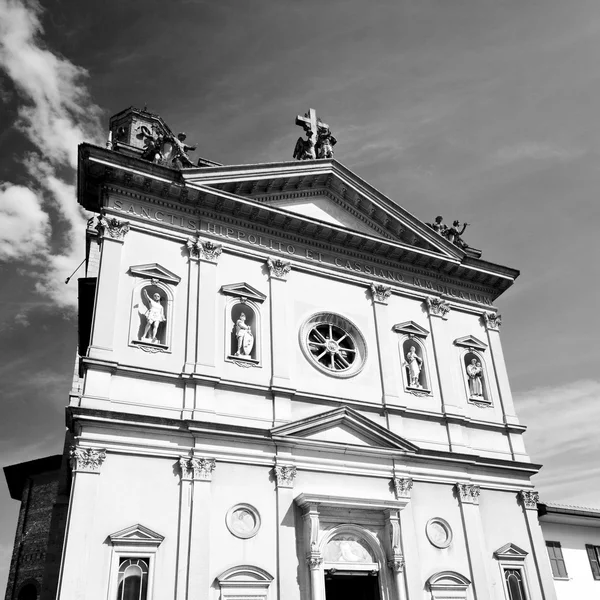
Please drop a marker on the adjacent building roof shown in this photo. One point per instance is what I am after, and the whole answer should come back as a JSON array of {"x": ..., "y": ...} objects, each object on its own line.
[{"x": 16, "y": 475}]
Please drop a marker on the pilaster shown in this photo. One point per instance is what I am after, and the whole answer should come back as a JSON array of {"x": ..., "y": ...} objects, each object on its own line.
[
  {"x": 529, "y": 500},
  {"x": 198, "y": 557},
  {"x": 387, "y": 353},
  {"x": 287, "y": 560},
  {"x": 468, "y": 498},
  {"x": 395, "y": 553},
  {"x": 281, "y": 385},
  {"x": 86, "y": 464},
  {"x": 438, "y": 310},
  {"x": 191, "y": 340},
  {"x": 208, "y": 254},
  {"x": 314, "y": 559},
  {"x": 112, "y": 235}
]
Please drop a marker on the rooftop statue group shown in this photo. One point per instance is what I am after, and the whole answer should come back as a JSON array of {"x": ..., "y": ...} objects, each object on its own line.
[
  {"x": 452, "y": 233},
  {"x": 319, "y": 140},
  {"x": 165, "y": 148}
]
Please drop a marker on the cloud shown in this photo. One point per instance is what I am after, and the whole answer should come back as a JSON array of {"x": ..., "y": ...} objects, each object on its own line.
[
  {"x": 534, "y": 151},
  {"x": 56, "y": 114},
  {"x": 562, "y": 434},
  {"x": 22, "y": 320}
]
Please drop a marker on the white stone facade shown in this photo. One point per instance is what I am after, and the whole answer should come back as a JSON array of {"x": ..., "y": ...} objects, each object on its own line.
[{"x": 279, "y": 467}]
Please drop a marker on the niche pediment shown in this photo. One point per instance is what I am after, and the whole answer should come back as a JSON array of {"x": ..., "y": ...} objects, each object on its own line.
[
  {"x": 510, "y": 551},
  {"x": 136, "y": 535},
  {"x": 155, "y": 271},
  {"x": 411, "y": 329},
  {"x": 470, "y": 341},
  {"x": 243, "y": 290},
  {"x": 341, "y": 427}
]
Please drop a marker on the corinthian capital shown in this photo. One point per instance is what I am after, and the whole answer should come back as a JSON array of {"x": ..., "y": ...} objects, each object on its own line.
[
  {"x": 112, "y": 228},
  {"x": 204, "y": 249},
  {"x": 285, "y": 475},
  {"x": 492, "y": 321},
  {"x": 402, "y": 487},
  {"x": 437, "y": 307},
  {"x": 279, "y": 268},
  {"x": 529, "y": 499},
  {"x": 468, "y": 493},
  {"x": 202, "y": 468},
  {"x": 86, "y": 460},
  {"x": 381, "y": 292}
]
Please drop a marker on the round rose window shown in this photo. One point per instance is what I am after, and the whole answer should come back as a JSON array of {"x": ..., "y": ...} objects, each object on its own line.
[{"x": 333, "y": 345}]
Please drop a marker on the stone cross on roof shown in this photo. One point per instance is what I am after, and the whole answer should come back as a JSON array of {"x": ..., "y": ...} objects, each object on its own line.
[{"x": 310, "y": 122}]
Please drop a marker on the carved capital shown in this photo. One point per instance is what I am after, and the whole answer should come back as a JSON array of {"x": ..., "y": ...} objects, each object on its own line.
[
  {"x": 402, "y": 487},
  {"x": 437, "y": 307},
  {"x": 109, "y": 227},
  {"x": 314, "y": 560},
  {"x": 468, "y": 493},
  {"x": 396, "y": 564},
  {"x": 279, "y": 268},
  {"x": 529, "y": 499},
  {"x": 380, "y": 292},
  {"x": 285, "y": 475},
  {"x": 185, "y": 469},
  {"x": 203, "y": 468},
  {"x": 492, "y": 321},
  {"x": 86, "y": 460}
]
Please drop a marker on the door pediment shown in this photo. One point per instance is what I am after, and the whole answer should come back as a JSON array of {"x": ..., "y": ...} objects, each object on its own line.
[{"x": 341, "y": 427}]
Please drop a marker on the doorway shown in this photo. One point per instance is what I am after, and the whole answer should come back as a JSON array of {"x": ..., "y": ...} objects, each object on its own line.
[{"x": 358, "y": 585}]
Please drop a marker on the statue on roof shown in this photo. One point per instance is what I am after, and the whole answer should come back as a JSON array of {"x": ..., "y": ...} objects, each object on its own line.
[
  {"x": 319, "y": 141},
  {"x": 452, "y": 233},
  {"x": 153, "y": 143},
  {"x": 180, "y": 152}
]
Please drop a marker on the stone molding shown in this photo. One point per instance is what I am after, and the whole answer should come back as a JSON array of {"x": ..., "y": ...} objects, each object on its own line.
[
  {"x": 285, "y": 475},
  {"x": 402, "y": 487},
  {"x": 196, "y": 469},
  {"x": 278, "y": 268},
  {"x": 204, "y": 249},
  {"x": 314, "y": 560},
  {"x": 529, "y": 499},
  {"x": 468, "y": 493},
  {"x": 109, "y": 227},
  {"x": 86, "y": 460},
  {"x": 492, "y": 321},
  {"x": 437, "y": 307},
  {"x": 380, "y": 292}
]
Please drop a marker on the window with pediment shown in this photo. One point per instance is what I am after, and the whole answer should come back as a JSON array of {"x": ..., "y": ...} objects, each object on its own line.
[{"x": 511, "y": 560}]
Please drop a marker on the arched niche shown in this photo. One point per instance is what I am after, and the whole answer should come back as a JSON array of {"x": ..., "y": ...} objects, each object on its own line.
[
  {"x": 475, "y": 377},
  {"x": 415, "y": 369},
  {"x": 447, "y": 585},
  {"x": 242, "y": 332},
  {"x": 244, "y": 581},
  {"x": 28, "y": 591},
  {"x": 151, "y": 316}
]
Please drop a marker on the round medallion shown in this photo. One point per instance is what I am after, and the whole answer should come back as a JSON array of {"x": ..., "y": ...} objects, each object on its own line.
[
  {"x": 333, "y": 345},
  {"x": 243, "y": 521},
  {"x": 438, "y": 532}
]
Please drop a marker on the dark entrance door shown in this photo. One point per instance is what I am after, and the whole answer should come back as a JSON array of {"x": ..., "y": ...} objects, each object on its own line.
[{"x": 355, "y": 586}]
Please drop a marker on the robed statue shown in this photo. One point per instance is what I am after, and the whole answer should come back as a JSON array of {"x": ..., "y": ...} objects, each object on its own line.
[{"x": 243, "y": 334}]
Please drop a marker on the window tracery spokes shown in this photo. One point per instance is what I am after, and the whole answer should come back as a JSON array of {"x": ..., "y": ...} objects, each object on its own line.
[{"x": 332, "y": 347}]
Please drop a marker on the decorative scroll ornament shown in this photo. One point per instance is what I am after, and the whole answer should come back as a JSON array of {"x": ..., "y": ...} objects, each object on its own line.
[
  {"x": 468, "y": 492},
  {"x": 86, "y": 460},
  {"x": 492, "y": 320},
  {"x": 285, "y": 475},
  {"x": 111, "y": 227},
  {"x": 198, "y": 469},
  {"x": 381, "y": 292},
  {"x": 529, "y": 498},
  {"x": 202, "y": 468},
  {"x": 437, "y": 306},
  {"x": 396, "y": 564},
  {"x": 279, "y": 268},
  {"x": 402, "y": 487}
]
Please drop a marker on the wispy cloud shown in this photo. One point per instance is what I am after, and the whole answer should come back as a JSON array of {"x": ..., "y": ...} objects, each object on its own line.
[
  {"x": 563, "y": 435},
  {"x": 56, "y": 114},
  {"x": 534, "y": 151}
]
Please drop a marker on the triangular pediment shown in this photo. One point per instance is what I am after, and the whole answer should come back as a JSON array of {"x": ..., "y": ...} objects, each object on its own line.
[
  {"x": 243, "y": 290},
  {"x": 411, "y": 328},
  {"x": 510, "y": 551},
  {"x": 327, "y": 193},
  {"x": 342, "y": 426},
  {"x": 155, "y": 271},
  {"x": 136, "y": 535},
  {"x": 470, "y": 341}
]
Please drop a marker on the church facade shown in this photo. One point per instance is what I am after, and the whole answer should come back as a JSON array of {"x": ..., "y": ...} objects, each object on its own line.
[{"x": 289, "y": 388}]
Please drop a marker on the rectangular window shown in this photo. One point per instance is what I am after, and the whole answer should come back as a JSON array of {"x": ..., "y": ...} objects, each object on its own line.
[
  {"x": 559, "y": 570},
  {"x": 594, "y": 556},
  {"x": 515, "y": 584}
]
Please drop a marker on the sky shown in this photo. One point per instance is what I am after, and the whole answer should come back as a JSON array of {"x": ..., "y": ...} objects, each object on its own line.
[{"x": 480, "y": 110}]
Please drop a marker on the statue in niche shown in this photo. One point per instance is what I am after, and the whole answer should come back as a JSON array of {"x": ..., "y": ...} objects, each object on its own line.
[
  {"x": 180, "y": 152},
  {"x": 243, "y": 334},
  {"x": 414, "y": 364},
  {"x": 154, "y": 314},
  {"x": 475, "y": 373}
]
